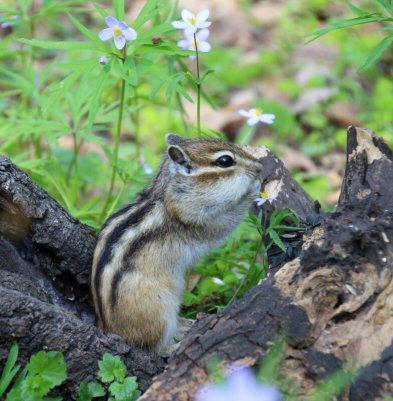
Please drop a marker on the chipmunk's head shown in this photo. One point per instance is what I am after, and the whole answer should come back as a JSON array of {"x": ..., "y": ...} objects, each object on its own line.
[{"x": 210, "y": 177}]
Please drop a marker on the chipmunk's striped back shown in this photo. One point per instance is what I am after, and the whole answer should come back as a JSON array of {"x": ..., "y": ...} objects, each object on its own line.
[{"x": 199, "y": 195}]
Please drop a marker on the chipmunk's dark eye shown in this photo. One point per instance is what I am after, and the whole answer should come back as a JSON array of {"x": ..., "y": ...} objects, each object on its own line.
[{"x": 225, "y": 161}]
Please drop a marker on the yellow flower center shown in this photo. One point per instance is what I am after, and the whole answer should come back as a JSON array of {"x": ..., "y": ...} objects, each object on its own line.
[
  {"x": 192, "y": 20},
  {"x": 194, "y": 44},
  {"x": 117, "y": 31},
  {"x": 258, "y": 112},
  {"x": 264, "y": 195}
]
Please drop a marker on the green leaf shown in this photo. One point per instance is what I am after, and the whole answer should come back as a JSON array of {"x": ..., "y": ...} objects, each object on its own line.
[
  {"x": 356, "y": 10},
  {"x": 376, "y": 17},
  {"x": 377, "y": 52},
  {"x": 111, "y": 368},
  {"x": 125, "y": 391},
  {"x": 88, "y": 391},
  {"x": 277, "y": 240},
  {"x": 10, "y": 370},
  {"x": 58, "y": 45},
  {"x": 270, "y": 365},
  {"x": 118, "y": 6},
  {"x": 90, "y": 35},
  {"x": 45, "y": 371},
  {"x": 150, "y": 9},
  {"x": 333, "y": 385}
]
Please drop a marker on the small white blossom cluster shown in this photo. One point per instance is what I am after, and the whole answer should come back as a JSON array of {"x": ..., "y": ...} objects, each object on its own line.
[
  {"x": 241, "y": 385},
  {"x": 194, "y": 39}
]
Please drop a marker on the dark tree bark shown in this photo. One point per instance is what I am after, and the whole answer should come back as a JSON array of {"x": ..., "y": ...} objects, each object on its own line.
[
  {"x": 333, "y": 302},
  {"x": 45, "y": 258}
]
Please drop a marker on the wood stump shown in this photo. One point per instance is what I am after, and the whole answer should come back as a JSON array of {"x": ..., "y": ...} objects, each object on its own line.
[{"x": 333, "y": 301}]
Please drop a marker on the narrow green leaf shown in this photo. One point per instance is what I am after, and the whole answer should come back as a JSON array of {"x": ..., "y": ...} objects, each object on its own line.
[
  {"x": 277, "y": 240},
  {"x": 376, "y": 17},
  {"x": 10, "y": 370},
  {"x": 378, "y": 51},
  {"x": 86, "y": 32},
  {"x": 101, "y": 11},
  {"x": 270, "y": 365},
  {"x": 333, "y": 385},
  {"x": 95, "y": 101},
  {"x": 356, "y": 10},
  {"x": 118, "y": 6},
  {"x": 57, "y": 45},
  {"x": 150, "y": 9}
]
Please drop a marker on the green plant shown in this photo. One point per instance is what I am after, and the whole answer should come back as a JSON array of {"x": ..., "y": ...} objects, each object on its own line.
[
  {"x": 43, "y": 372},
  {"x": 114, "y": 381},
  {"x": 270, "y": 376},
  {"x": 230, "y": 271},
  {"x": 385, "y": 16}
]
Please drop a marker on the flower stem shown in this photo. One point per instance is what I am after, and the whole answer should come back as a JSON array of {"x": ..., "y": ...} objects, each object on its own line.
[
  {"x": 116, "y": 142},
  {"x": 198, "y": 89}
]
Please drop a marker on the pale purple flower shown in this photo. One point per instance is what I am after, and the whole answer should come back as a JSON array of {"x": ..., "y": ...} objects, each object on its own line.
[
  {"x": 147, "y": 168},
  {"x": 8, "y": 23},
  {"x": 117, "y": 30},
  {"x": 264, "y": 197},
  {"x": 197, "y": 42},
  {"x": 103, "y": 60},
  {"x": 240, "y": 386},
  {"x": 191, "y": 23},
  {"x": 256, "y": 115}
]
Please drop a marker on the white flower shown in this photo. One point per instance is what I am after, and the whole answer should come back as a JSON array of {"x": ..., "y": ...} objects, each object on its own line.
[
  {"x": 256, "y": 115},
  {"x": 197, "y": 42},
  {"x": 241, "y": 385},
  {"x": 264, "y": 197},
  {"x": 192, "y": 23},
  {"x": 117, "y": 30},
  {"x": 217, "y": 281},
  {"x": 103, "y": 60}
]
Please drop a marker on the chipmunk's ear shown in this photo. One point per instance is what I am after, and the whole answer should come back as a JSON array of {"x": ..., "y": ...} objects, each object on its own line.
[
  {"x": 176, "y": 152},
  {"x": 172, "y": 139}
]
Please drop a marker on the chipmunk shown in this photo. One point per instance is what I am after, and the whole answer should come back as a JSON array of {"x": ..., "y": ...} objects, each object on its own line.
[{"x": 200, "y": 193}]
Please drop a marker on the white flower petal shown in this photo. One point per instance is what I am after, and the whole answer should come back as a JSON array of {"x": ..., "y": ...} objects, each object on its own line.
[
  {"x": 106, "y": 34},
  {"x": 190, "y": 30},
  {"x": 120, "y": 42},
  {"x": 260, "y": 201},
  {"x": 184, "y": 44},
  {"x": 204, "y": 24},
  {"x": 202, "y": 16},
  {"x": 130, "y": 34},
  {"x": 253, "y": 120},
  {"x": 202, "y": 35},
  {"x": 111, "y": 21},
  {"x": 185, "y": 14},
  {"x": 244, "y": 113},
  {"x": 267, "y": 118},
  {"x": 204, "y": 47},
  {"x": 179, "y": 24}
]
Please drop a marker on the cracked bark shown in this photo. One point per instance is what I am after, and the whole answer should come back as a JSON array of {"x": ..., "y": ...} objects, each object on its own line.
[{"x": 333, "y": 301}]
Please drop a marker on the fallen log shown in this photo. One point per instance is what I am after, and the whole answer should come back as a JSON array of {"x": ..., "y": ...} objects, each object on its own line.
[{"x": 332, "y": 301}]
